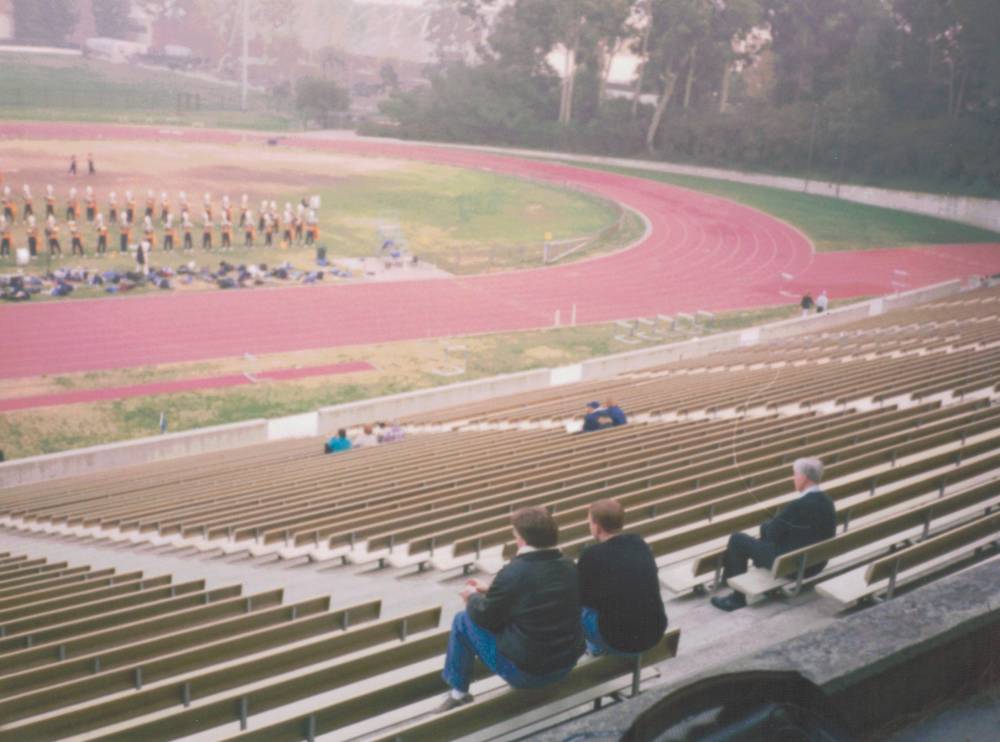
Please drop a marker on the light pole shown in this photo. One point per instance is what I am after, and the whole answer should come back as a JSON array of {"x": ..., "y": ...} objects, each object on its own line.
[{"x": 246, "y": 47}]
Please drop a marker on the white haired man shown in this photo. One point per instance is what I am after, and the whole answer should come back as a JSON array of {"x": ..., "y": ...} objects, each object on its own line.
[{"x": 807, "y": 520}]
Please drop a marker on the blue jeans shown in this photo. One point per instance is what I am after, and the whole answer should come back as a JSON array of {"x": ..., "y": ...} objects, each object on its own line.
[
  {"x": 468, "y": 641},
  {"x": 596, "y": 645}
]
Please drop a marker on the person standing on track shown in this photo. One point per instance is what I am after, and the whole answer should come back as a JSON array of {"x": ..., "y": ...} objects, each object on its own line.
[
  {"x": 206, "y": 230},
  {"x": 268, "y": 231},
  {"x": 226, "y": 232},
  {"x": 102, "y": 234},
  {"x": 300, "y": 222},
  {"x": 50, "y": 202},
  {"x": 124, "y": 232},
  {"x": 91, "y": 202},
  {"x": 164, "y": 208},
  {"x": 29, "y": 210},
  {"x": 112, "y": 208},
  {"x": 822, "y": 302},
  {"x": 188, "y": 227},
  {"x": 9, "y": 210},
  {"x": 75, "y": 243},
  {"x": 4, "y": 237},
  {"x": 150, "y": 204},
  {"x": 312, "y": 228},
  {"x": 287, "y": 220},
  {"x": 149, "y": 235},
  {"x": 72, "y": 165},
  {"x": 142, "y": 257},
  {"x": 130, "y": 206},
  {"x": 169, "y": 233},
  {"x": 72, "y": 205},
  {"x": 52, "y": 236},
  {"x": 32, "y": 234},
  {"x": 248, "y": 231},
  {"x": 91, "y": 170}
]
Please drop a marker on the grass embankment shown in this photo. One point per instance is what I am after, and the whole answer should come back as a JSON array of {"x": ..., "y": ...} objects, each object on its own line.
[
  {"x": 833, "y": 225},
  {"x": 400, "y": 367},
  {"x": 66, "y": 88}
]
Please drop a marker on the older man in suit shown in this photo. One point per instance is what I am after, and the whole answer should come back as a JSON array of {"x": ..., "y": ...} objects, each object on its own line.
[{"x": 810, "y": 518}]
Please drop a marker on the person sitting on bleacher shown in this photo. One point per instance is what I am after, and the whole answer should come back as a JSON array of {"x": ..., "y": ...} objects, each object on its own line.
[
  {"x": 592, "y": 417},
  {"x": 526, "y": 626},
  {"x": 339, "y": 442},
  {"x": 366, "y": 438},
  {"x": 392, "y": 433},
  {"x": 807, "y": 520},
  {"x": 614, "y": 413},
  {"x": 595, "y": 415},
  {"x": 619, "y": 589}
]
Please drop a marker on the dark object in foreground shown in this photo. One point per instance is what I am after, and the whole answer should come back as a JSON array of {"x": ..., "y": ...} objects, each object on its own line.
[{"x": 756, "y": 705}]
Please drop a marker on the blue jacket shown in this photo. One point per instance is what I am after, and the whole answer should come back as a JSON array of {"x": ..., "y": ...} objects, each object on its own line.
[
  {"x": 616, "y": 415},
  {"x": 592, "y": 420},
  {"x": 337, "y": 443}
]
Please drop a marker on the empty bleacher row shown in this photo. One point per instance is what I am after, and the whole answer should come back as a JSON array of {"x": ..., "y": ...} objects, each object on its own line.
[
  {"x": 966, "y": 328},
  {"x": 97, "y": 654},
  {"x": 443, "y": 499}
]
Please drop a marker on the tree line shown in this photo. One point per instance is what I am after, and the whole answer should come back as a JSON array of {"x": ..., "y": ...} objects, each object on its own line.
[{"x": 897, "y": 92}]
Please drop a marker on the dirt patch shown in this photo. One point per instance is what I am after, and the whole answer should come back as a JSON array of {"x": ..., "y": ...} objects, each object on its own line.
[
  {"x": 544, "y": 353},
  {"x": 176, "y": 166}
]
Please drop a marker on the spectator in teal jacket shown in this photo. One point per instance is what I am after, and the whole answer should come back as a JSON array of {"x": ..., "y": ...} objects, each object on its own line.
[{"x": 339, "y": 442}]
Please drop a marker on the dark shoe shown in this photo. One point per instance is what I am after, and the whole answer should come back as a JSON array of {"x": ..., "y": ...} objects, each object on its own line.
[
  {"x": 450, "y": 702},
  {"x": 732, "y": 602}
]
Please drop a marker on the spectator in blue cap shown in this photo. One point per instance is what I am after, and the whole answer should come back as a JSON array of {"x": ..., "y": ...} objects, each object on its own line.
[{"x": 592, "y": 417}]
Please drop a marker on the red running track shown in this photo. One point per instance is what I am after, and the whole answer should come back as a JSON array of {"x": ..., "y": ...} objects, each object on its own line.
[{"x": 703, "y": 252}]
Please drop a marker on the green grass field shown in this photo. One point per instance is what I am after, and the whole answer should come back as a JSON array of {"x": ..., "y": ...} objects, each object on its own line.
[
  {"x": 77, "y": 83},
  {"x": 831, "y": 224},
  {"x": 463, "y": 221},
  {"x": 57, "y": 88}
]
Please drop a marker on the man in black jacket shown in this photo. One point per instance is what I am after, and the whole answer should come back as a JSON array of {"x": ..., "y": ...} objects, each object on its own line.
[
  {"x": 805, "y": 521},
  {"x": 526, "y": 626},
  {"x": 619, "y": 589}
]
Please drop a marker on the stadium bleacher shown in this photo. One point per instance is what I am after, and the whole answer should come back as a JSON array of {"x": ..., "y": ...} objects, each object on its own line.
[{"x": 902, "y": 408}]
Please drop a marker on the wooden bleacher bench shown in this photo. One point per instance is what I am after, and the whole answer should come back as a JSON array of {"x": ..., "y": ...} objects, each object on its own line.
[
  {"x": 788, "y": 569},
  {"x": 890, "y": 573},
  {"x": 424, "y": 684},
  {"x": 707, "y": 568},
  {"x": 226, "y": 695}
]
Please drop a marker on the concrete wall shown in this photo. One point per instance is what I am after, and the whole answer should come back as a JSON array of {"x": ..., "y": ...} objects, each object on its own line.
[
  {"x": 305, "y": 425},
  {"x": 130, "y": 453},
  {"x": 427, "y": 400},
  {"x": 894, "y": 659}
]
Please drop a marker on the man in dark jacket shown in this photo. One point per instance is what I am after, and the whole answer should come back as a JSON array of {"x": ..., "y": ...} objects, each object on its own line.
[
  {"x": 808, "y": 520},
  {"x": 619, "y": 589},
  {"x": 526, "y": 626},
  {"x": 592, "y": 417}
]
